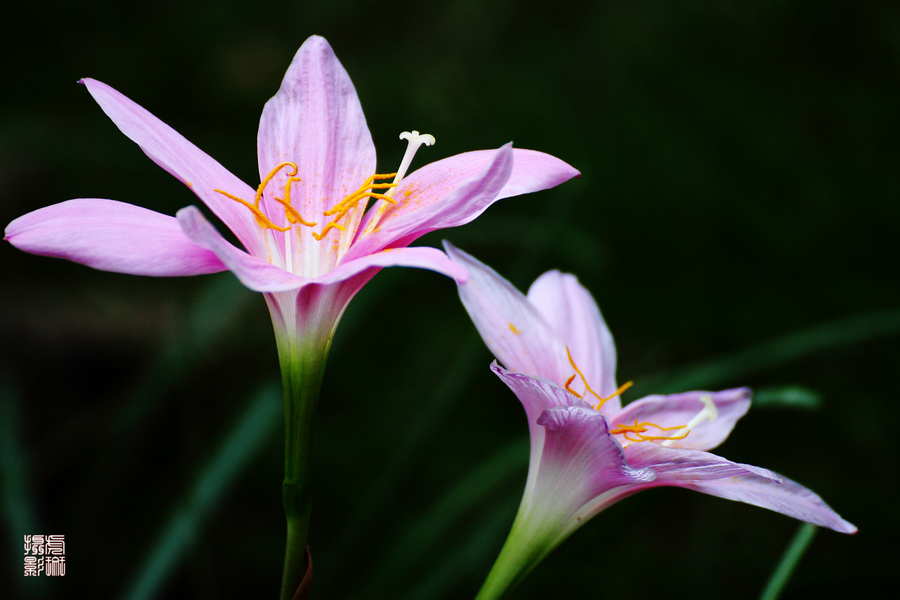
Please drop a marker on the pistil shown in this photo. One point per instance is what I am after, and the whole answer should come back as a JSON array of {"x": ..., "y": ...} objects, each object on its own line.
[{"x": 415, "y": 140}]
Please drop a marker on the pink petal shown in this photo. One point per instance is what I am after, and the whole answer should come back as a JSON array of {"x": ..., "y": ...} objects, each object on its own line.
[
  {"x": 513, "y": 329},
  {"x": 112, "y": 236},
  {"x": 316, "y": 121},
  {"x": 679, "y": 409},
  {"x": 255, "y": 273},
  {"x": 580, "y": 460},
  {"x": 455, "y": 190},
  {"x": 717, "y": 476},
  {"x": 190, "y": 165},
  {"x": 572, "y": 312},
  {"x": 421, "y": 257},
  {"x": 536, "y": 395},
  {"x": 677, "y": 466},
  {"x": 788, "y": 498}
]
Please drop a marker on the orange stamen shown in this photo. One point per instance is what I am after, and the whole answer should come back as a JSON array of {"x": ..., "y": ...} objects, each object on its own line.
[
  {"x": 621, "y": 389},
  {"x": 270, "y": 176},
  {"x": 290, "y": 213},
  {"x": 639, "y": 428},
  {"x": 569, "y": 382},
  {"x": 326, "y": 229},
  {"x": 587, "y": 387},
  {"x": 350, "y": 202},
  {"x": 261, "y": 218}
]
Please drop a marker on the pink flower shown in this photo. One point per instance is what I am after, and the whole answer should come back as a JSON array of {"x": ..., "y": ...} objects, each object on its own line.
[
  {"x": 587, "y": 452},
  {"x": 309, "y": 243}
]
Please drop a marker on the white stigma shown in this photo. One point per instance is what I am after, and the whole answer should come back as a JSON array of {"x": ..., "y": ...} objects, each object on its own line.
[
  {"x": 415, "y": 140},
  {"x": 709, "y": 412}
]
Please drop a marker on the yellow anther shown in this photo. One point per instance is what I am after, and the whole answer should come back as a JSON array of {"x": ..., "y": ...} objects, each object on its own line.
[
  {"x": 621, "y": 389},
  {"x": 569, "y": 382},
  {"x": 261, "y": 218},
  {"x": 514, "y": 330},
  {"x": 262, "y": 186},
  {"x": 290, "y": 213},
  {"x": 639, "y": 428},
  {"x": 326, "y": 229},
  {"x": 600, "y": 399},
  {"x": 340, "y": 209}
]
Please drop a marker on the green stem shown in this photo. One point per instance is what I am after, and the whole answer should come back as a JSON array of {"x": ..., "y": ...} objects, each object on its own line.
[
  {"x": 520, "y": 554},
  {"x": 789, "y": 561},
  {"x": 302, "y": 364}
]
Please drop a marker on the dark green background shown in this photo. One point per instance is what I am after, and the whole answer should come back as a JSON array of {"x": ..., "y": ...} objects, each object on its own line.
[{"x": 739, "y": 184}]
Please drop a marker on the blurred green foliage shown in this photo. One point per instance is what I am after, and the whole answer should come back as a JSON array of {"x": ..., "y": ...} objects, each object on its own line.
[{"x": 739, "y": 192}]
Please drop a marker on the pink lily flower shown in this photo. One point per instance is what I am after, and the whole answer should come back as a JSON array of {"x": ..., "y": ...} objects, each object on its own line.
[
  {"x": 306, "y": 223},
  {"x": 587, "y": 451}
]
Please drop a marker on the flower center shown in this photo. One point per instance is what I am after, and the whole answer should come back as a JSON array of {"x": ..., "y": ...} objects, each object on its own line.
[
  {"x": 638, "y": 431},
  {"x": 337, "y": 212},
  {"x": 587, "y": 387},
  {"x": 344, "y": 206}
]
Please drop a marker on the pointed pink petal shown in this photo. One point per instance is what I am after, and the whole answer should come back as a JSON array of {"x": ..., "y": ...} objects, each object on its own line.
[
  {"x": 421, "y": 257},
  {"x": 112, "y": 236},
  {"x": 580, "y": 460},
  {"x": 190, "y": 165},
  {"x": 536, "y": 396},
  {"x": 679, "y": 409},
  {"x": 714, "y": 475},
  {"x": 455, "y": 190},
  {"x": 255, "y": 273},
  {"x": 316, "y": 121},
  {"x": 437, "y": 184},
  {"x": 677, "y": 466},
  {"x": 572, "y": 312},
  {"x": 513, "y": 329}
]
